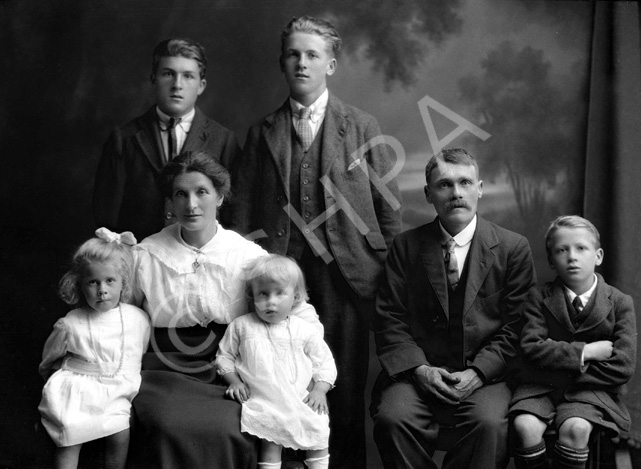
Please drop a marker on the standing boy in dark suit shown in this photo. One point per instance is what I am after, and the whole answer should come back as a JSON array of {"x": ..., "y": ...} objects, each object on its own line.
[
  {"x": 446, "y": 328},
  {"x": 126, "y": 192},
  {"x": 310, "y": 181},
  {"x": 579, "y": 343}
]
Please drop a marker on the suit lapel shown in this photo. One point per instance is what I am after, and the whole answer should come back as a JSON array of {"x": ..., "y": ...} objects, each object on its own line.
[
  {"x": 334, "y": 128},
  {"x": 148, "y": 138},
  {"x": 602, "y": 306},
  {"x": 479, "y": 260},
  {"x": 278, "y": 140},
  {"x": 197, "y": 135},
  {"x": 432, "y": 256},
  {"x": 557, "y": 305}
]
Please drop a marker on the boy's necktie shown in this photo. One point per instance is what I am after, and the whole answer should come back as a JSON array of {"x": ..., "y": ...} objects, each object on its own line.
[
  {"x": 172, "y": 141},
  {"x": 451, "y": 263},
  {"x": 577, "y": 305},
  {"x": 304, "y": 129}
]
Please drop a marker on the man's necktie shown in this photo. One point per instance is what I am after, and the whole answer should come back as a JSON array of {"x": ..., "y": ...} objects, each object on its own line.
[
  {"x": 172, "y": 141},
  {"x": 304, "y": 129},
  {"x": 451, "y": 263}
]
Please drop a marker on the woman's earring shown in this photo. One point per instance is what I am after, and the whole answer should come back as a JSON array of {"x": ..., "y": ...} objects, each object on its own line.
[{"x": 169, "y": 215}]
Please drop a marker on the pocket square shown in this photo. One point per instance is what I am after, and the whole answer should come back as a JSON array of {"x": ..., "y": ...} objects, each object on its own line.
[{"x": 354, "y": 164}]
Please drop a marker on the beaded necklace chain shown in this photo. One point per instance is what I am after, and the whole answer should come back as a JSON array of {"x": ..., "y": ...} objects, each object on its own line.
[
  {"x": 122, "y": 346},
  {"x": 281, "y": 356}
]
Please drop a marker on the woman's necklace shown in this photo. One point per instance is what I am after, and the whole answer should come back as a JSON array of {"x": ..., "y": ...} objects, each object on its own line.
[
  {"x": 196, "y": 264},
  {"x": 122, "y": 346},
  {"x": 278, "y": 351}
]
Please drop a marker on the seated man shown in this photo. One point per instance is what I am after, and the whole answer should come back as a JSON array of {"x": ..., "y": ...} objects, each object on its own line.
[{"x": 446, "y": 328}]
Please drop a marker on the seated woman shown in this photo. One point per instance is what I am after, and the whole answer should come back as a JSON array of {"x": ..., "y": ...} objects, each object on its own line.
[{"x": 189, "y": 279}]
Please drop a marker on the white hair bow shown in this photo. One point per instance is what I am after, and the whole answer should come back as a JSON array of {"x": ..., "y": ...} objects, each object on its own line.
[{"x": 126, "y": 237}]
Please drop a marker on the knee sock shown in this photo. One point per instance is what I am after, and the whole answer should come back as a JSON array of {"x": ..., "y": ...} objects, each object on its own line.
[
  {"x": 318, "y": 463},
  {"x": 269, "y": 465},
  {"x": 570, "y": 458},
  {"x": 533, "y": 457}
]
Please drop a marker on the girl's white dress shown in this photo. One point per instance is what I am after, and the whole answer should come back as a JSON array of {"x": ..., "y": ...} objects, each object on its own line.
[
  {"x": 277, "y": 362},
  {"x": 79, "y": 402}
]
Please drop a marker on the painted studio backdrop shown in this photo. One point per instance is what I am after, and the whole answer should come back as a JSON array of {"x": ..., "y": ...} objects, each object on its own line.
[{"x": 546, "y": 94}]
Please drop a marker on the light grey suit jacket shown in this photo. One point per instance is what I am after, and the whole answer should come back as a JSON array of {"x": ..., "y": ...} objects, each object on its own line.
[{"x": 361, "y": 230}]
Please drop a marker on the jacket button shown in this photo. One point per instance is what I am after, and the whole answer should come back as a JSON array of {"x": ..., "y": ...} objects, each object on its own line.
[
  {"x": 280, "y": 233},
  {"x": 306, "y": 198},
  {"x": 279, "y": 198},
  {"x": 305, "y": 181}
]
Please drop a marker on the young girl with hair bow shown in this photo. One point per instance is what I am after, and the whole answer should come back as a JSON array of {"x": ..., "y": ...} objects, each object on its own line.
[{"x": 92, "y": 359}]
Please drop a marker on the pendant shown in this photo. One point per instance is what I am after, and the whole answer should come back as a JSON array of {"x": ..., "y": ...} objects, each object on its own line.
[{"x": 195, "y": 265}]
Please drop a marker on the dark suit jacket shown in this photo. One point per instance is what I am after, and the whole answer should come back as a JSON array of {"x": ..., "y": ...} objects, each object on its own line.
[
  {"x": 411, "y": 319},
  {"x": 261, "y": 190},
  {"x": 553, "y": 346},
  {"x": 126, "y": 192}
]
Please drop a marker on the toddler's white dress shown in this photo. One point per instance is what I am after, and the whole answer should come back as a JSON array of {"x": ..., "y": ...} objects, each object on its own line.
[
  {"x": 79, "y": 402},
  {"x": 277, "y": 362}
]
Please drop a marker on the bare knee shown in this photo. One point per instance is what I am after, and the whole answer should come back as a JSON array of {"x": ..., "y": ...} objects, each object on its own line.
[
  {"x": 528, "y": 430},
  {"x": 575, "y": 432}
]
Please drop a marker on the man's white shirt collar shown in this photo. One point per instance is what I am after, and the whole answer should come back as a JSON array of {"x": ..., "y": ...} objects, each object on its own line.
[
  {"x": 185, "y": 121},
  {"x": 318, "y": 107},
  {"x": 464, "y": 237}
]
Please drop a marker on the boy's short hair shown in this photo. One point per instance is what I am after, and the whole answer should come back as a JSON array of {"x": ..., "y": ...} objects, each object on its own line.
[
  {"x": 180, "y": 47},
  {"x": 450, "y": 155},
  {"x": 571, "y": 221},
  {"x": 279, "y": 269},
  {"x": 311, "y": 25}
]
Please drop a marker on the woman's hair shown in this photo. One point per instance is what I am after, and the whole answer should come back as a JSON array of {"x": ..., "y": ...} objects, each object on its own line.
[
  {"x": 571, "y": 221},
  {"x": 201, "y": 162},
  {"x": 92, "y": 251},
  {"x": 179, "y": 47},
  {"x": 279, "y": 269},
  {"x": 310, "y": 25}
]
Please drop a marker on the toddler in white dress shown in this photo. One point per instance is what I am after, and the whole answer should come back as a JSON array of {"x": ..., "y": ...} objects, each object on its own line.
[
  {"x": 278, "y": 366},
  {"x": 92, "y": 359}
]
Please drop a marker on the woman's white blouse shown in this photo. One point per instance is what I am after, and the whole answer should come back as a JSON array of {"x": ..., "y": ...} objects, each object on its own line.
[{"x": 181, "y": 286}]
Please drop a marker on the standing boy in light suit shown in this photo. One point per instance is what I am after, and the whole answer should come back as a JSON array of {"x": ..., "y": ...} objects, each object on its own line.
[{"x": 303, "y": 181}]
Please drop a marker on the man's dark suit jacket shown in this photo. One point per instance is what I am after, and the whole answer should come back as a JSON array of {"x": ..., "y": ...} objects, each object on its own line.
[
  {"x": 261, "y": 190},
  {"x": 411, "y": 320},
  {"x": 126, "y": 192},
  {"x": 553, "y": 347}
]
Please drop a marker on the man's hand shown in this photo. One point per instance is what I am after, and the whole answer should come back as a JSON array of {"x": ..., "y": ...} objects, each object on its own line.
[
  {"x": 437, "y": 383},
  {"x": 469, "y": 381}
]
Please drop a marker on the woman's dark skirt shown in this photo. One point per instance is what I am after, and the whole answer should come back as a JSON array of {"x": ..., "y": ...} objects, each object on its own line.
[{"x": 181, "y": 418}]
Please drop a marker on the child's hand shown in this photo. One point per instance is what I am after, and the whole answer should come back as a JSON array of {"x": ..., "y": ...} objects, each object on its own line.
[
  {"x": 317, "y": 401},
  {"x": 598, "y": 351},
  {"x": 238, "y": 391}
]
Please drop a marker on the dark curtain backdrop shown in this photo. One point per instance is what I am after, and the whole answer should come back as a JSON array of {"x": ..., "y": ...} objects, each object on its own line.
[
  {"x": 71, "y": 70},
  {"x": 613, "y": 158}
]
